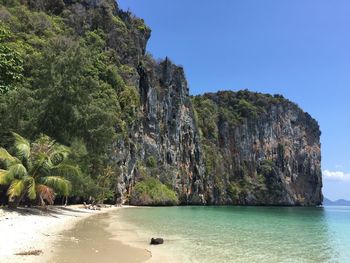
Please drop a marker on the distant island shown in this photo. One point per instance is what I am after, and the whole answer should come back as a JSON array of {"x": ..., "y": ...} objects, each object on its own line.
[{"x": 339, "y": 202}]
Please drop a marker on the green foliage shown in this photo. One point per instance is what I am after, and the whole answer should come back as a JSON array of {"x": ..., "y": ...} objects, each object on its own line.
[
  {"x": 246, "y": 109},
  {"x": 38, "y": 170},
  {"x": 266, "y": 167},
  {"x": 151, "y": 162},
  {"x": 129, "y": 102},
  {"x": 11, "y": 63},
  {"x": 89, "y": 112},
  {"x": 152, "y": 192},
  {"x": 212, "y": 158},
  {"x": 232, "y": 118},
  {"x": 227, "y": 107},
  {"x": 10, "y": 2},
  {"x": 206, "y": 117},
  {"x": 233, "y": 190},
  {"x": 72, "y": 91},
  {"x": 74, "y": 85},
  {"x": 107, "y": 181}
]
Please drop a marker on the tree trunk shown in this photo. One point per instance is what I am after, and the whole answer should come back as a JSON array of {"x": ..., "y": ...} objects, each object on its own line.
[
  {"x": 13, "y": 204},
  {"x": 42, "y": 202}
]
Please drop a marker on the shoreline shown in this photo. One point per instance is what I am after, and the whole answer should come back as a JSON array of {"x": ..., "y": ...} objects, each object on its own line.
[
  {"x": 131, "y": 235},
  {"x": 33, "y": 231}
]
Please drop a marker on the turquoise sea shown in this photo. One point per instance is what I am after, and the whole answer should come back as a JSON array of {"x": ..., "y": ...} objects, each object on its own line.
[{"x": 245, "y": 234}]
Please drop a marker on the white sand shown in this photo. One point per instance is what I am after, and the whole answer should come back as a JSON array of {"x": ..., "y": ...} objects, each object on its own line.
[
  {"x": 29, "y": 229},
  {"x": 34, "y": 229}
]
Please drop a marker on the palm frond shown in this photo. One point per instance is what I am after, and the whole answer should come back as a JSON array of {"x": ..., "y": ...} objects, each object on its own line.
[
  {"x": 16, "y": 188},
  {"x": 6, "y": 157},
  {"x": 60, "y": 154},
  {"x": 5, "y": 177},
  {"x": 65, "y": 170},
  {"x": 46, "y": 193},
  {"x": 22, "y": 146},
  {"x": 18, "y": 171},
  {"x": 58, "y": 183},
  {"x": 56, "y": 158},
  {"x": 41, "y": 164},
  {"x": 31, "y": 189}
]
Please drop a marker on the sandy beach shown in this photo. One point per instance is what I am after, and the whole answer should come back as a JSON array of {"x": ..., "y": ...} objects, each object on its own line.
[
  {"x": 34, "y": 231},
  {"x": 129, "y": 234}
]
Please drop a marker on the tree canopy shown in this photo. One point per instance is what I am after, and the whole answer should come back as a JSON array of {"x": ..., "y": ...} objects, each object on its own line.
[
  {"x": 11, "y": 62},
  {"x": 64, "y": 76}
]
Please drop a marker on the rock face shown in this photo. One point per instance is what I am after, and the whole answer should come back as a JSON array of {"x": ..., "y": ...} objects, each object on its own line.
[
  {"x": 166, "y": 133},
  {"x": 263, "y": 150},
  {"x": 259, "y": 150},
  {"x": 224, "y": 148}
]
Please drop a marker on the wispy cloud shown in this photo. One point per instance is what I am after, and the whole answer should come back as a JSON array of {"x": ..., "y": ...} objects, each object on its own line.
[{"x": 336, "y": 175}]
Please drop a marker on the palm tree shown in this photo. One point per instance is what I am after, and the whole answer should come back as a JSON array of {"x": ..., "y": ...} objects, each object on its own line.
[{"x": 37, "y": 170}]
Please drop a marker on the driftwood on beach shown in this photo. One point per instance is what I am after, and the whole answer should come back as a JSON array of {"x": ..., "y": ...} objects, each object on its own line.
[{"x": 36, "y": 252}]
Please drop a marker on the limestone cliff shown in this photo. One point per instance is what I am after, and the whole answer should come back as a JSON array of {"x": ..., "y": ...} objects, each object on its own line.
[
  {"x": 166, "y": 133},
  {"x": 225, "y": 148},
  {"x": 259, "y": 149}
]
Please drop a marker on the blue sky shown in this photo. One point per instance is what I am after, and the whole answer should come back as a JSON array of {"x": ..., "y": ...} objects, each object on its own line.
[{"x": 297, "y": 48}]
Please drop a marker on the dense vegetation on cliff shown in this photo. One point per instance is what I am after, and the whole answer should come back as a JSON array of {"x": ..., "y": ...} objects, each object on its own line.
[
  {"x": 77, "y": 72},
  {"x": 61, "y": 77}
]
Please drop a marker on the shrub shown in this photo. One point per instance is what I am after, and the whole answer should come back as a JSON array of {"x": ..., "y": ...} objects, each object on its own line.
[
  {"x": 233, "y": 191},
  {"x": 265, "y": 168},
  {"x": 151, "y": 162},
  {"x": 152, "y": 192},
  {"x": 247, "y": 109}
]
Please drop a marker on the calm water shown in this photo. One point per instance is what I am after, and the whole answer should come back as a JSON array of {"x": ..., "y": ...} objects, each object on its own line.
[{"x": 246, "y": 234}]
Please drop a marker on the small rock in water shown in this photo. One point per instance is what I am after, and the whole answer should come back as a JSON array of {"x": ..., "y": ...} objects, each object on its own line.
[{"x": 157, "y": 241}]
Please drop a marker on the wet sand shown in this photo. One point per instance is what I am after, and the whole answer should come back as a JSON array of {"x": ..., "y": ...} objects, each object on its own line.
[
  {"x": 130, "y": 234},
  {"x": 90, "y": 241}
]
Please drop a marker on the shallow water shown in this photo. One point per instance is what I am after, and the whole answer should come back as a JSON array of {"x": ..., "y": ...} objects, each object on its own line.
[
  {"x": 212, "y": 234},
  {"x": 246, "y": 234}
]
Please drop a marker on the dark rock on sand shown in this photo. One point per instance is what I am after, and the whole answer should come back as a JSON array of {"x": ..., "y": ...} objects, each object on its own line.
[{"x": 157, "y": 241}]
